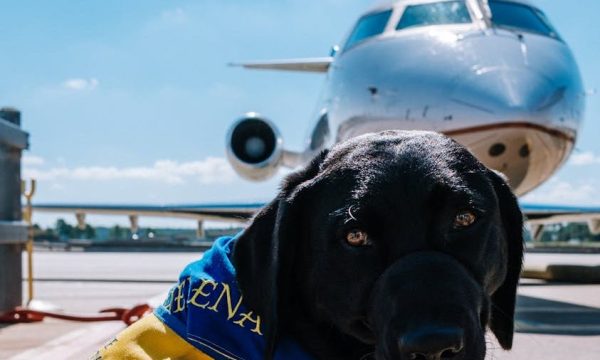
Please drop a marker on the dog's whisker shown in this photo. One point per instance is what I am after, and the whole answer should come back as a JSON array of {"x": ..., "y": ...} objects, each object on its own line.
[
  {"x": 368, "y": 356},
  {"x": 491, "y": 347},
  {"x": 350, "y": 213}
]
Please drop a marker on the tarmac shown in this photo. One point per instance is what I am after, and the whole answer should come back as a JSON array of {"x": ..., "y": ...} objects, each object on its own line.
[{"x": 554, "y": 320}]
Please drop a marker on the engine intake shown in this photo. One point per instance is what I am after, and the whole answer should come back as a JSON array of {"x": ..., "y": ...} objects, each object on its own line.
[{"x": 254, "y": 147}]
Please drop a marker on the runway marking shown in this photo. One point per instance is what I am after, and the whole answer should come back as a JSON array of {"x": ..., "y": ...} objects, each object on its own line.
[{"x": 72, "y": 343}]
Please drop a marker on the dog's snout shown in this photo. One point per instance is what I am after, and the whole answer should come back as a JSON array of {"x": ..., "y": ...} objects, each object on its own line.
[
  {"x": 425, "y": 327},
  {"x": 432, "y": 343}
]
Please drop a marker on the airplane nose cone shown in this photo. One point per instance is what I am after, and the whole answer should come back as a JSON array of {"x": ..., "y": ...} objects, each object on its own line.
[{"x": 506, "y": 90}]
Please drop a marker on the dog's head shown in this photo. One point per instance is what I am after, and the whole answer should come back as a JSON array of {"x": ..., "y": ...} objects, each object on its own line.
[{"x": 399, "y": 244}]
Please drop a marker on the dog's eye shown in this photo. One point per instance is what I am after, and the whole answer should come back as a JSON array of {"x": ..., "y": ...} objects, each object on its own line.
[
  {"x": 356, "y": 237},
  {"x": 464, "y": 219}
]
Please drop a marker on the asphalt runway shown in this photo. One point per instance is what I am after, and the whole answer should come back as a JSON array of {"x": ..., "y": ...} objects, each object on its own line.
[{"x": 554, "y": 321}]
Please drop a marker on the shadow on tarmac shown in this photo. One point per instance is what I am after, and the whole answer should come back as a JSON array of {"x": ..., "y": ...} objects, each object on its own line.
[{"x": 541, "y": 316}]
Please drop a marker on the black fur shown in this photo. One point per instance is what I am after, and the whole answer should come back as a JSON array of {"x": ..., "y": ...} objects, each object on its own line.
[
  {"x": 503, "y": 299},
  {"x": 404, "y": 189}
]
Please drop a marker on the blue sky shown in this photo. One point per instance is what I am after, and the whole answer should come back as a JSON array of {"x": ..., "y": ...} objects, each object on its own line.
[{"x": 130, "y": 104}]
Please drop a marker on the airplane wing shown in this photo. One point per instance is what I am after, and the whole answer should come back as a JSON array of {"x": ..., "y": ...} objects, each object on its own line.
[
  {"x": 216, "y": 212},
  {"x": 539, "y": 215},
  {"x": 318, "y": 65}
]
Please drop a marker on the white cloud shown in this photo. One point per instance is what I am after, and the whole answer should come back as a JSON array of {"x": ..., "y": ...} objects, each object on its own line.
[
  {"x": 32, "y": 160},
  {"x": 176, "y": 16},
  {"x": 584, "y": 158},
  {"x": 80, "y": 84},
  {"x": 567, "y": 193},
  {"x": 209, "y": 170}
]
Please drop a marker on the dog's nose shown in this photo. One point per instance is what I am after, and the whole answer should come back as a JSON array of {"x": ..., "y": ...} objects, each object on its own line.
[{"x": 432, "y": 343}]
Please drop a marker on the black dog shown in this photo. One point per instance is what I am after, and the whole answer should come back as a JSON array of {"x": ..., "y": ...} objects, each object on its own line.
[{"x": 397, "y": 245}]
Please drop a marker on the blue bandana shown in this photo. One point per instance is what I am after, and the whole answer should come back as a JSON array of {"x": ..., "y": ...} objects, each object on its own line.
[{"x": 205, "y": 308}]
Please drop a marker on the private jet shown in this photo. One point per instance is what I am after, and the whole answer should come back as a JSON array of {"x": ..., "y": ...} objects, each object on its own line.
[{"x": 494, "y": 75}]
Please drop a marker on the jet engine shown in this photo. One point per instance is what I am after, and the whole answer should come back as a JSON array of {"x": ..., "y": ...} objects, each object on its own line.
[{"x": 254, "y": 147}]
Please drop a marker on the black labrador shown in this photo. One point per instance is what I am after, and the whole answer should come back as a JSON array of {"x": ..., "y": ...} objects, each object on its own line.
[{"x": 396, "y": 245}]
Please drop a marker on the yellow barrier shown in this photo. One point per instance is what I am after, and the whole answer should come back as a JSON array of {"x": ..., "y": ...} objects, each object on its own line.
[{"x": 27, "y": 216}]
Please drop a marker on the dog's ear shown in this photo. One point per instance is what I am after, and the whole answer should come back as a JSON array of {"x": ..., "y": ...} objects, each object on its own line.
[
  {"x": 504, "y": 298},
  {"x": 264, "y": 253}
]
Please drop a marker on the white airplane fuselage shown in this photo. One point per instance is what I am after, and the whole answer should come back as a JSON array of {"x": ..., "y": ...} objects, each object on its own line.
[{"x": 513, "y": 96}]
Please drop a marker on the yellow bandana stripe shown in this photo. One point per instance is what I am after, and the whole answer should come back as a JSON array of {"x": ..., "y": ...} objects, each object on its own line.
[{"x": 149, "y": 339}]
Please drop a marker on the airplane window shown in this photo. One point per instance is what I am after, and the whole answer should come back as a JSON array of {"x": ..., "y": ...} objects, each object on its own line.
[
  {"x": 368, "y": 26},
  {"x": 447, "y": 12},
  {"x": 521, "y": 17}
]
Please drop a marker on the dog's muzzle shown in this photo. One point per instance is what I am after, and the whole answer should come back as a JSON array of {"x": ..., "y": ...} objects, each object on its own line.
[{"x": 426, "y": 306}]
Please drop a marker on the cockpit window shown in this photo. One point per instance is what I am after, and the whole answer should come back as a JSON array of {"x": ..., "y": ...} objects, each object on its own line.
[
  {"x": 368, "y": 26},
  {"x": 447, "y": 12},
  {"x": 521, "y": 17}
]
